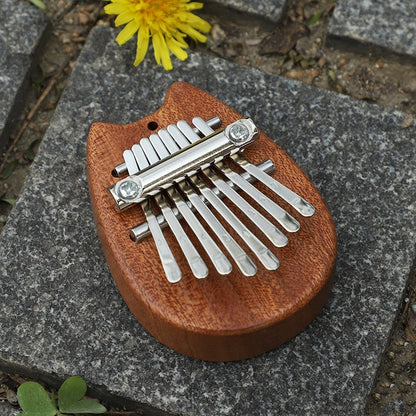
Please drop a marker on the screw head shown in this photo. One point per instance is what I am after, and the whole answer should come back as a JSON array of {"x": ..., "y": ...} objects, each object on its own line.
[
  {"x": 128, "y": 189},
  {"x": 239, "y": 133}
]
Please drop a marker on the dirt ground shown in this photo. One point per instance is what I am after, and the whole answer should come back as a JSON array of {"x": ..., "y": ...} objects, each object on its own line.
[{"x": 296, "y": 49}]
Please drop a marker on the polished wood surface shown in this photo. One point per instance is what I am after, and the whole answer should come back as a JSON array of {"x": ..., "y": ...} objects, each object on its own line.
[{"x": 219, "y": 318}]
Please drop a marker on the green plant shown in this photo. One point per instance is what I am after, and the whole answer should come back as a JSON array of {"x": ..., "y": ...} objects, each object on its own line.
[
  {"x": 39, "y": 3},
  {"x": 314, "y": 19},
  {"x": 35, "y": 400},
  {"x": 9, "y": 169}
]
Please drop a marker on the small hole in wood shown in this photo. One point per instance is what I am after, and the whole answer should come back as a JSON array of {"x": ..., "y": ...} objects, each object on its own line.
[{"x": 152, "y": 125}]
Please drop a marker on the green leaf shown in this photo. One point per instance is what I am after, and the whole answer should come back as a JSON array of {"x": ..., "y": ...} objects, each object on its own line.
[
  {"x": 332, "y": 75},
  {"x": 39, "y": 3},
  {"x": 30, "y": 152},
  {"x": 315, "y": 18},
  {"x": 9, "y": 201},
  {"x": 86, "y": 406},
  {"x": 9, "y": 169},
  {"x": 70, "y": 398},
  {"x": 34, "y": 400}
]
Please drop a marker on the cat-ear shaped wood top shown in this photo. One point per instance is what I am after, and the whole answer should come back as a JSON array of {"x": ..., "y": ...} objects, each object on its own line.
[{"x": 219, "y": 317}]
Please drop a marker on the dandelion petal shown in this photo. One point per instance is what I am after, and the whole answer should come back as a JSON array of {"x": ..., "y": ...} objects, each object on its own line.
[
  {"x": 142, "y": 45},
  {"x": 167, "y": 22},
  {"x": 127, "y": 32}
]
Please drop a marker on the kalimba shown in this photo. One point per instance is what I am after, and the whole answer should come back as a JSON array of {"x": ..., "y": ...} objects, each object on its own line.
[{"x": 220, "y": 245}]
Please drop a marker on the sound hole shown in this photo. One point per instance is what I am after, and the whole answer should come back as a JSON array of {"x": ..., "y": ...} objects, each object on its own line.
[{"x": 152, "y": 125}]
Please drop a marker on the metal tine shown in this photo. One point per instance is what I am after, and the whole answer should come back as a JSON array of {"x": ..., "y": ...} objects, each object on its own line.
[
  {"x": 237, "y": 253},
  {"x": 220, "y": 262},
  {"x": 158, "y": 145},
  {"x": 277, "y": 212},
  {"x": 281, "y": 216},
  {"x": 197, "y": 265},
  {"x": 131, "y": 162},
  {"x": 187, "y": 131},
  {"x": 180, "y": 139},
  {"x": 267, "y": 258},
  {"x": 143, "y": 163},
  {"x": 195, "y": 261},
  {"x": 122, "y": 168},
  {"x": 168, "y": 141},
  {"x": 296, "y": 201},
  {"x": 149, "y": 151},
  {"x": 173, "y": 137},
  {"x": 140, "y": 157},
  {"x": 262, "y": 223},
  {"x": 170, "y": 266},
  {"x": 243, "y": 261},
  {"x": 141, "y": 231}
]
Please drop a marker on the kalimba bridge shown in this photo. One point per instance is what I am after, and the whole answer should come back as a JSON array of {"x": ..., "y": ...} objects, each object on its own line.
[{"x": 183, "y": 169}]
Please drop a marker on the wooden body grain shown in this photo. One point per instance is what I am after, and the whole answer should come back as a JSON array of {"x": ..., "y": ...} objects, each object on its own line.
[{"x": 219, "y": 318}]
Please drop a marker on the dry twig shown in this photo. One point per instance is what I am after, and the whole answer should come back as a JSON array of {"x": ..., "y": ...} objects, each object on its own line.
[{"x": 32, "y": 112}]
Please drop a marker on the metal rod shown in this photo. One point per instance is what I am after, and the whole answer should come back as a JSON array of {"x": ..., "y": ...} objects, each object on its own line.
[
  {"x": 121, "y": 169},
  {"x": 141, "y": 231},
  {"x": 297, "y": 202},
  {"x": 198, "y": 155},
  {"x": 170, "y": 266}
]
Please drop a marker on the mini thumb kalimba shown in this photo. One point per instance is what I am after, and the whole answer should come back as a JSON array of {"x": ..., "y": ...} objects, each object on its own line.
[{"x": 219, "y": 244}]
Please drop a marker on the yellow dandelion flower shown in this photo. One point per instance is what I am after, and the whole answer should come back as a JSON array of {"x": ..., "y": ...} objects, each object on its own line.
[{"x": 167, "y": 22}]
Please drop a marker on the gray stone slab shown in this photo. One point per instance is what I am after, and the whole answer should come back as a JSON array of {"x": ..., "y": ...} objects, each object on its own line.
[
  {"x": 7, "y": 410},
  {"x": 62, "y": 314},
  {"x": 386, "y": 24},
  {"x": 23, "y": 26},
  {"x": 271, "y": 10}
]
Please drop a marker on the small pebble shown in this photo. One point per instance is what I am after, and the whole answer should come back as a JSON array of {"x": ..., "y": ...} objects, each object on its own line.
[
  {"x": 218, "y": 34},
  {"x": 321, "y": 62},
  {"x": 253, "y": 42},
  {"x": 11, "y": 397},
  {"x": 408, "y": 122},
  {"x": 342, "y": 62},
  {"x": 83, "y": 18}
]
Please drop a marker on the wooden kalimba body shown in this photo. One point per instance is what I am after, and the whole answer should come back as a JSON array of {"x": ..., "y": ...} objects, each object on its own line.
[{"x": 229, "y": 254}]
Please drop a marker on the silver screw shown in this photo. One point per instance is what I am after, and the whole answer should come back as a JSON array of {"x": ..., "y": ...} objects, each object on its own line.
[
  {"x": 239, "y": 133},
  {"x": 128, "y": 189}
]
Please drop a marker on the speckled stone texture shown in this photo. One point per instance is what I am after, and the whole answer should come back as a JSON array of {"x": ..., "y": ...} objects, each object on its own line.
[
  {"x": 62, "y": 314},
  {"x": 266, "y": 9},
  {"x": 7, "y": 410},
  {"x": 21, "y": 31},
  {"x": 388, "y": 24}
]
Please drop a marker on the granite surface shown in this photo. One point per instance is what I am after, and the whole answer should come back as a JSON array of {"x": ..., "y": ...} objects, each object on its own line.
[
  {"x": 389, "y": 24},
  {"x": 21, "y": 31},
  {"x": 267, "y": 9},
  {"x": 7, "y": 410},
  {"x": 62, "y": 314}
]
